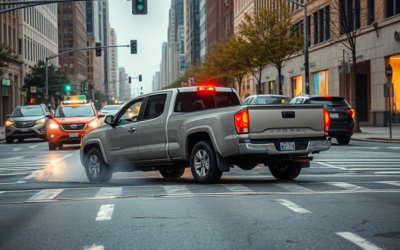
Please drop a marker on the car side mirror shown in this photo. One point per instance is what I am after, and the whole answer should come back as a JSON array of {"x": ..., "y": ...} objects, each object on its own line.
[
  {"x": 8, "y": 116},
  {"x": 50, "y": 116},
  {"x": 109, "y": 119},
  {"x": 100, "y": 115}
]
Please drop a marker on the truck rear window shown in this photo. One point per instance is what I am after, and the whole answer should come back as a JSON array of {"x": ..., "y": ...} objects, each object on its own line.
[
  {"x": 328, "y": 101},
  {"x": 192, "y": 101}
]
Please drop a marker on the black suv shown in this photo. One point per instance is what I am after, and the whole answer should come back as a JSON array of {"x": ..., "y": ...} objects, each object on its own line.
[{"x": 342, "y": 115}]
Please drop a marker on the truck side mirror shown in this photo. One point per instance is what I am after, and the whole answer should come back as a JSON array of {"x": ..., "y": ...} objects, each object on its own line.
[{"x": 109, "y": 119}]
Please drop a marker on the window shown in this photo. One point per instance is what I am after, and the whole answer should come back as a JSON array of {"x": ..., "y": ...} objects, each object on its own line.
[
  {"x": 322, "y": 29},
  {"x": 130, "y": 114},
  {"x": 392, "y": 7},
  {"x": 271, "y": 87},
  {"x": 319, "y": 83},
  {"x": 155, "y": 106},
  {"x": 193, "y": 101},
  {"x": 297, "y": 85},
  {"x": 299, "y": 101},
  {"x": 350, "y": 15}
]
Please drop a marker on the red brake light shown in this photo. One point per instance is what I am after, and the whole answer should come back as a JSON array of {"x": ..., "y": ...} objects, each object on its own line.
[
  {"x": 350, "y": 112},
  {"x": 242, "y": 122},
  {"x": 327, "y": 120},
  {"x": 327, "y": 97},
  {"x": 205, "y": 89}
]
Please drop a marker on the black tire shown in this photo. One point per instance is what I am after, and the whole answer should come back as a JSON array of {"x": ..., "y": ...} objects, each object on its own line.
[
  {"x": 20, "y": 140},
  {"x": 344, "y": 140},
  {"x": 213, "y": 174},
  {"x": 60, "y": 145},
  {"x": 285, "y": 171},
  {"x": 9, "y": 140},
  {"x": 52, "y": 146},
  {"x": 172, "y": 174},
  {"x": 45, "y": 137},
  {"x": 100, "y": 173}
]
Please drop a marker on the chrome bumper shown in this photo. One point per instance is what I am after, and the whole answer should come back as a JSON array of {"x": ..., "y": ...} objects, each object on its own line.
[{"x": 269, "y": 148}]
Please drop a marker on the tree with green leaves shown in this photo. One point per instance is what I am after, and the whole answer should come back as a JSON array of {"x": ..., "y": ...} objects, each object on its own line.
[{"x": 6, "y": 55}]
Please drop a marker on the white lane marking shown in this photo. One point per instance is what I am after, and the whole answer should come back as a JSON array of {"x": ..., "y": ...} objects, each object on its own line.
[
  {"x": 238, "y": 188},
  {"x": 47, "y": 194},
  {"x": 11, "y": 158},
  {"x": 293, "y": 206},
  {"x": 388, "y": 172},
  {"x": 394, "y": 183},
  {"x": 395, "y": 159},
  {"x": 329, "y": 165},
  {"x": 34, "y": 146},
  {"x": 361, "y": 242},
  {"x": 16, "y": 149},
  {"x": 348, "y": 186},
  {"x": 109, "y": 191},
  {"x": 105, "y": 212},
  {"x": 177, "y": 190},
  {"x": 294, "y": 188},
  {"x": 1, "y": 192},
  {"x": 372, "y": 169},
  {"x": 94, "y": 247}
]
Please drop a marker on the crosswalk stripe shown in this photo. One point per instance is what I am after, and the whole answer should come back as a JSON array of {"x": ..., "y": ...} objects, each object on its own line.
[
  {"x": 361, "y": 242},
  {"x": 47, "y": 194},
  {"x": 394, "y": 183},
  {"x": 177, "y": 190},
  {"x": 372, "y": 169},
  {"x": 294, "y": 188},
  {"x": 348, "y": 186},
  {"x": 366, "y": 160},
  {"x": 239, "y": 188},
  {"x": 33, "y": 146},
  {"x": 105, "y": 212},
  {"x": 293, "y": 206},
  {"x": 109, "y": 191},
  {"x": 94, "y": 247},
  {"x": 1, "y": 192},
  {"x": 388, "y": 172}
]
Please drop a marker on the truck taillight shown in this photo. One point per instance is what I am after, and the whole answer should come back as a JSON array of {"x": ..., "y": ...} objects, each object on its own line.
[
  {"x": 242, "y": 122},
  {"x": 327, "y": 120},
  {"x": 350, "y": 112}
]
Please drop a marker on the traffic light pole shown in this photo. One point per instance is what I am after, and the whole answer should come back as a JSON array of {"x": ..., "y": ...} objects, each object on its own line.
[{"x": 69, "y": 51}]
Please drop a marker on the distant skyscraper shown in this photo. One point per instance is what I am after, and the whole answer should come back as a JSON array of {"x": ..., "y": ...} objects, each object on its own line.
[
  {"x": 203, "y": 28},
  {"x": 113, "y": 89},
  {"x": 192, "y": 25},
  {"x": 106, "y": 42},
  {"x": 164, "y": 65},
  {"x": 220, "y": 22},
  {"x": 176, "y": 20}
]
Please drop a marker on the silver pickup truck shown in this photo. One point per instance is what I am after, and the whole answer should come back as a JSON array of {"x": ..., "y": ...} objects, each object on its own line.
[{"x": 207, "y": 129}]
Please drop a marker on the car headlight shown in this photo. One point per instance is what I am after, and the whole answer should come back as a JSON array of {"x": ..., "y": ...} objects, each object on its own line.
[
  {"x": 41, "y": 121},
  {"x": 94, "y": 124},
  {"x": 9, "y": 123},
  {"x": 54, "y": 125}
]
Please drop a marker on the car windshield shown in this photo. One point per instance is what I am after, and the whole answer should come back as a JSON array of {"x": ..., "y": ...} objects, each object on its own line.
[
  {"x": 272, "y": 100},
  {"x": 111, "y": 107},
  {"x": 75, "y": 111},
  {"x": 27, "y": 111}
]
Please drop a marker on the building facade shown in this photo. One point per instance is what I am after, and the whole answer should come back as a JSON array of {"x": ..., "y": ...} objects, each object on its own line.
[
  {"x": 114, "y": 73},
  {"x": 156, "y": 82},
  {"x": 72, "y": 34},
  {"x": 11, "y": 82},
  {"x": 164, "y": 66},
  {"x": 105, "y": 27},
  {"x": 192, "y": 36},
  {"x": 220, "y": 21},
  {"x": 203, "y": 27},
  {"x": 124, "y": 86},
  {"x": 330, "y": 64},
  {"x": 242, "y": 7},
  {"x": 94, "y": 35}
]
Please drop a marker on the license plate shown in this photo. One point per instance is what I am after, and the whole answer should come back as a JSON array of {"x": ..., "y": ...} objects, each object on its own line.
[
  {"x": 334, "y": 115},
  {"x": 73, "y": 135},
  {"x": 24, "y": 130},
  {"x": 288, "y": 146}
]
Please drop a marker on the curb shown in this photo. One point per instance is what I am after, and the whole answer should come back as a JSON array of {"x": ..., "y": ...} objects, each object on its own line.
[{"x": 371, "y": 140}]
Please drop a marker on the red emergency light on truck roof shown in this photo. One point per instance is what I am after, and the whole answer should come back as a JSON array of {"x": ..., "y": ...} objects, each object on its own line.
[{"x": 206, "y": 89}]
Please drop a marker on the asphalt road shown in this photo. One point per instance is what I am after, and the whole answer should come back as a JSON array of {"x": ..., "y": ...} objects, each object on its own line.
[{"x": 348, "y": 199}]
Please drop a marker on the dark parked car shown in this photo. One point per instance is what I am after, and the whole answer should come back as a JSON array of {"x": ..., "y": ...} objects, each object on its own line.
[
  {"x": 27, "y": 122},
  {"x": 341, "y": 114}
]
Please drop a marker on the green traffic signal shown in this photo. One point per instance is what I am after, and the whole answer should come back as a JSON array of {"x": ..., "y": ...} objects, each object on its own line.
[
  {"x": 139, "y": 7},
  {"x": 67, "y": 88}
]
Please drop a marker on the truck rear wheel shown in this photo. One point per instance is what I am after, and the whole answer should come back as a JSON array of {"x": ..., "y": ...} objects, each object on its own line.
[
  {"x": 96, "y": 169},
  {"x": 172, "y": 174},
  {"x": 285, "y": 170},
  {"x": 203, "y": 163}
]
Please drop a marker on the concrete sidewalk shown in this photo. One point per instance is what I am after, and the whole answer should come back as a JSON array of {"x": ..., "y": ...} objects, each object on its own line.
[{"x": 378, "y": 134}]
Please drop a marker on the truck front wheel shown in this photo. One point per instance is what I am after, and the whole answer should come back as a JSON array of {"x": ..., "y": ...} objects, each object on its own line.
[
  {"x": 203, "y": 163},
  {"x": 96, "y": 169},
  {"x": 172, "y": 174},
  {"x": 285, "y": 170}
]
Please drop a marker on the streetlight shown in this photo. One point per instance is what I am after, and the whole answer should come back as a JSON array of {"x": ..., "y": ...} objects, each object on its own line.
[
  {"x": 306, "y": 65},
  {"x": 344, "y": 65}
]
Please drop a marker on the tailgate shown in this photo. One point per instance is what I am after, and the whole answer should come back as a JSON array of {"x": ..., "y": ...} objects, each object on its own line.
[{"x": 286, "y": 121}]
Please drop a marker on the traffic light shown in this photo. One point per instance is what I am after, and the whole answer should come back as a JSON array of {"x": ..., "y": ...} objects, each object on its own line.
[
  {"x": 139, "y": 7},
  {"x": 141, "y": 87},
  {"x": 98, "y": 49},
  {"x": 67, "y": 87},
  {"x": 133, "y": 46},
  {"x": 129, "y": 79},
  {"x": 85, "y": 89},
  {"x": 140, "y": 78},
  {"x": 32, "y": 101}
]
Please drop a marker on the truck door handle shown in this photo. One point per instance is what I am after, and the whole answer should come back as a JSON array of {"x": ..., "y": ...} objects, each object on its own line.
[
  {"x": 288, "y": 114},
  {"x": 131, "y": 130}
]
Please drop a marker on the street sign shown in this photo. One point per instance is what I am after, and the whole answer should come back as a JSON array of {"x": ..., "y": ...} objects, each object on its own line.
[
  {"x": 33, "y": 89},
  {"x": 388, "y": 90},
  {"x": 389, "y": 72}
]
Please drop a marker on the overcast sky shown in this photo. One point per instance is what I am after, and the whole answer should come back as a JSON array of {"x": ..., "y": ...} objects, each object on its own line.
[{"x": 149, "y": 30}]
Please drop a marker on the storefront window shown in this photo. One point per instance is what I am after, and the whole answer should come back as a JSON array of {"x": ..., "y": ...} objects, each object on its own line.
[
  {"x": 319, "y": 83},
  {"x": 297, "y": 85},
  {"x": 394, "y": 61},
  {"x": 272, "y": 88}
]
